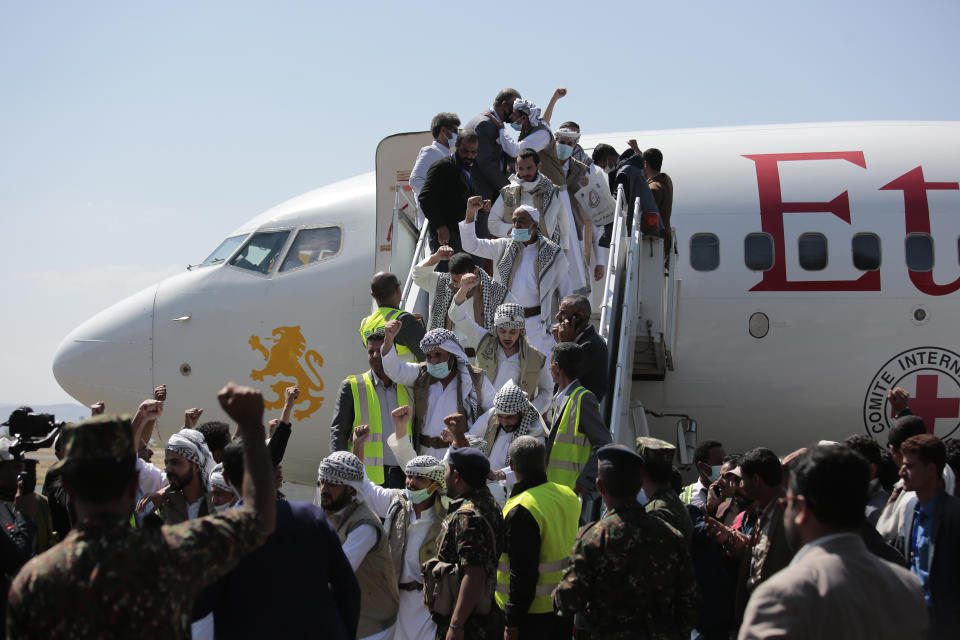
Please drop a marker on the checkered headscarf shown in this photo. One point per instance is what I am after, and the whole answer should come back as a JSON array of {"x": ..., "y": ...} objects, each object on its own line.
[
  {"x": 342, "y": 467},
  {"x": 509, "y": 316},
  {"x": 512, "y": 399},
  {"x": 191, "y": 444},
  {"x": 447, "y": 340},
  {"x": 426, "y": 467}
]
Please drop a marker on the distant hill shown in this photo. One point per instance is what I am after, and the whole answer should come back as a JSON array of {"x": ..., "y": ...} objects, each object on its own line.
[{"x": 67, "y": 412}]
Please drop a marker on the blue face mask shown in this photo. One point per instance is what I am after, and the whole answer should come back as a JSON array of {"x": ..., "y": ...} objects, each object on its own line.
[
  {"x": 520, "y": 235},
  {"x": 452, "y": 139},
  {"x": 715, "y": 473},
  {"x": 417, "y": 496},
  {"x": 439, "y": 370},
  {"x": 642, "y": 497},
  {"x": 516, "y": 126},
  {"x": 564, "y": 151}
]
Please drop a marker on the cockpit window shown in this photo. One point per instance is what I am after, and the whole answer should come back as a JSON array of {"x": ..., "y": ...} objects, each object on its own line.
[
  {"x": 313, "y": 245},
  {"x": 261, "y": 251},
  {"x": 224, "y": 251}
]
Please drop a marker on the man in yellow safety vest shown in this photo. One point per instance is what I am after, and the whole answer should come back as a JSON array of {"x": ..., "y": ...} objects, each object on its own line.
[
  {"x": 577, "y": 429},
  {"x": 385, "y": 289},
  {"x": 540, "y": 521},
  {"x": 369, "y": 398}
]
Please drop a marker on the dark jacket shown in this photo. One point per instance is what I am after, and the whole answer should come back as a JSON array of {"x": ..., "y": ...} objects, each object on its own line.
[
  {"x": 443, "y": 199},
  {"x": 944, "y": 579},
  {"x": 630, "y": 175},
  {"x": 594, "y": 375},
  {"x": 298, "y": 584},
  {"x": 488, "y": 171}
]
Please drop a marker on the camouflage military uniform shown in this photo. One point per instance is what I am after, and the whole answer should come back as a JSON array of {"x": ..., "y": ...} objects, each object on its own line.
[
  {"x": 631, "y": 577},
  {"x": 109, "y": 580},
  {"x": 666, "y": 505},
  {"x": 466, "y": 541}
]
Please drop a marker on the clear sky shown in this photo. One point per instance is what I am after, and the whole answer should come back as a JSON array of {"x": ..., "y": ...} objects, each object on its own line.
[{"x": 135, "y": 135}]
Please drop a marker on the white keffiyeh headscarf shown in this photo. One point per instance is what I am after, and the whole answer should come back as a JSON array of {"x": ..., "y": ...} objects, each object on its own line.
[
  {"x": 511, "y": 400},
  {"x": 219, "y": 481},
  {"x": 567, "y": 134},
  {"x": 447, "y": 340},
  {"x": 509, "y": 316},
  {"x": 427, "y": 467},
  {"x": 190, "y": 444},
  {"x": 529, "y": 109},
  {"x": 342, "y": 467}
]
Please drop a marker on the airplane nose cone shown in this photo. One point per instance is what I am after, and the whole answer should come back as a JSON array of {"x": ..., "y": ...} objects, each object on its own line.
[{"x": 110, "y": 356}]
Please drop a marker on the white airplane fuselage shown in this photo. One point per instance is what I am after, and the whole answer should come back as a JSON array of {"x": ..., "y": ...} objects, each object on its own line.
[{"x": 837, "y": 338}]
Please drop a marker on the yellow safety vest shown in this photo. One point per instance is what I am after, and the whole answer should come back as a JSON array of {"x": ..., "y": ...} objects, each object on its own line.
[
  {"x": 571, "y": 449},
  {"x": 557, "y": 512},
  {"x": 366, "y": 410},
  {"x": 687, "y": 496},
  {"x": 378, "y": 319}
]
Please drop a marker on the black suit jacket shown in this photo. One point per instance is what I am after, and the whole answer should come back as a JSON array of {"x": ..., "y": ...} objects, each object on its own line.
[
  {"x": 594, "y": 374},
  {"x": 488, "y": 171},
  {"x": 944, "y": 579},
  {"x": 443, "y": 199}
]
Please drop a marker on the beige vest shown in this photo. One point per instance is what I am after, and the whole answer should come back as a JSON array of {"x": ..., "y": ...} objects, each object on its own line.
[
  {"x": 399, "y": 514},
  {"x": 379, "y": 595},
  {"x": 421, "y": 398},
  {"x": 531, "y": 362}
]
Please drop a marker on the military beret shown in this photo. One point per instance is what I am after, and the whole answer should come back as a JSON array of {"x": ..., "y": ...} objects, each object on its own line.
[
  {"x": 617, "y": 455},
  {"x": 655, "y": 450},
  {"x": 471, "y": 464},
  {"x": 99, "y": 439}
]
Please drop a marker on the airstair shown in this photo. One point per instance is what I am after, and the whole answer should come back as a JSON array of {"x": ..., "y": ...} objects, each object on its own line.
[{"x": 638, "y": 313}]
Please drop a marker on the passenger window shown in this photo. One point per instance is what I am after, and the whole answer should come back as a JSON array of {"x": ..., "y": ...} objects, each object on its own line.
[
  {"x": 919, "y": 249},
  {"x": 261, "y": 251},
  {"x": 312, "y": 245},
  {"x": 758, "y": 251},
  {"x": 704, "y": 251},
  {"x": 224, "y": 251},
  {"x": 812, "y": 251},
  {"x": 866, "y": 251}
]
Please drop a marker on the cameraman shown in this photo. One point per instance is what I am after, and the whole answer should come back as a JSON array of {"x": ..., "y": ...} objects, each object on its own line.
[{"x": 17, "y": 515}]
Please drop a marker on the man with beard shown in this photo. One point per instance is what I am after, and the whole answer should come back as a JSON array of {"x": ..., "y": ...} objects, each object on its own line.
[
  {"x": 443, "y": 197},
  {"x": 340, "y": 493},
  {"x": 368, "y": 398},
  {"x": 834, "y": 587},
  {"x": 490, "y": 174},
  {"x": 188, "y": 464},
  {"x": 532, "y": 188},
  {"x": 443, "y": 385},
  {"x": 412, "y": 518},
  {"x": 504, "y": 353},
  {"x": 528, "y": 263}
]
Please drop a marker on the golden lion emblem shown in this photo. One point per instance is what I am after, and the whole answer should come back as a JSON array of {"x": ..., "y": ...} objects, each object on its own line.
[{"x": 288, "y": 361}]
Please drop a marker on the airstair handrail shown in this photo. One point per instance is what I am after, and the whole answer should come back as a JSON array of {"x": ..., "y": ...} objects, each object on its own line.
[
  {"x": 623, "y": 378},
  {"x": 610, "y": 284},
  {"x": 417, "y": 257}
]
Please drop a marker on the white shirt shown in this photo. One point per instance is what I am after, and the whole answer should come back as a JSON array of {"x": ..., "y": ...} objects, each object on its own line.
[
  {"x": 441, "y": 401},
  {"x": 358, "y": 544},
  {"x": 425, "y": 159},
  {"x": 151, "y": 479},
  {"x": 538, "y": 141},
  {"x": 193, "y": 509},
  {"x": 524, "y": 286}
]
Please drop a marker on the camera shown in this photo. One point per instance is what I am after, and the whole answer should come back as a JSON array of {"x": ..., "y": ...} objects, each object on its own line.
[{"x": 31, "y": 431}]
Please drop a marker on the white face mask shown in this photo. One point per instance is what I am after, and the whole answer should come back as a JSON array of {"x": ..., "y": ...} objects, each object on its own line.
[
  {"x": 221, "y": 508},
  {"x": 608, "y": 169}
]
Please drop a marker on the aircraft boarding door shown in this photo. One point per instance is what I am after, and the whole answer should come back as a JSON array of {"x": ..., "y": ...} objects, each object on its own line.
[{"x": 396, "y": 239}]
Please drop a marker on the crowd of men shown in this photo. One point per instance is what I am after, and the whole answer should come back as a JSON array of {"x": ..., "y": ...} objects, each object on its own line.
[{"x": 472, "y": 489}]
